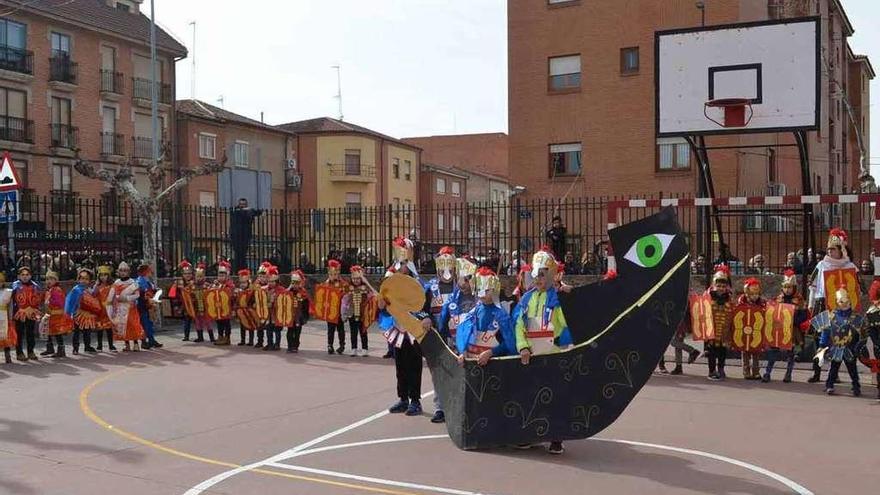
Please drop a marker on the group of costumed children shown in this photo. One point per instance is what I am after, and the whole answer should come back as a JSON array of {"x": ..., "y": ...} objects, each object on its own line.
[
  {"x": 842, "y": 335},
  {"x": 116, "y": 309}
]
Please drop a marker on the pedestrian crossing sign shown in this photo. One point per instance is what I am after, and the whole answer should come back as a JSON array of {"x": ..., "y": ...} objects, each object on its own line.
[{"x": 8, "y": 206}]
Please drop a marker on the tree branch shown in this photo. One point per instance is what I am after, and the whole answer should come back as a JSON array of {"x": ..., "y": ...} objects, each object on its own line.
[
  {"x": 122, "y": 179},
  {"x": 188, "y": 174}
]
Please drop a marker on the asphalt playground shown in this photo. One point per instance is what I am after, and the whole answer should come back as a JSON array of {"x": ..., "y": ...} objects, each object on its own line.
[{"x": 195, "y": 418}]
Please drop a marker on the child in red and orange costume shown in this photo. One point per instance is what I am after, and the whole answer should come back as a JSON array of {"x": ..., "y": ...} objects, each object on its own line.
[
  {"x": 84, "y": 308},
  {"x": 102, "y": 292},
  {"x": 198, "y": 292},
  {"x": 273, "y": 327},
  {"x": 752, "y": 297},
  {"x": 225, "y": 284},
  {"x": 335, "y": 281},
  {"x": 244, "y": 310},
  {"x": 122, "y": 299},
  {"x": 177, "y": 293},
  {"x": 8, "y": 337},
  {"x": 58, "y": 323},
  {"x": 26, "y": 300},
  {"x": 301, "y": 301}
]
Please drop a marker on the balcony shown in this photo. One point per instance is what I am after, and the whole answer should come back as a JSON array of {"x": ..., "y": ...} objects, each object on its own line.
[
  {"x": 112, "y": 207},
  {"x": 63, "y": 136},
  {"x": 351, "y": 172},
  {"x": 141, "y": 89},
  {"x": 17, "y": 60},
  {"x": 142, "y": 147},
  {"x": 112, "y": 82},
  {"x": 63, "y": 202},
  {"x": 112, "y": 144},
  {"x": 62, "y": 69},
  {"x": 28, "y": 204},
  {"x": 16, "y": 129}
]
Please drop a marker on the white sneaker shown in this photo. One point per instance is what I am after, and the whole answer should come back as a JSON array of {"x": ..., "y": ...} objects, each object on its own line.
[
  {"x": 365, "y": 353},
  {"x": 354, "y": 352}
]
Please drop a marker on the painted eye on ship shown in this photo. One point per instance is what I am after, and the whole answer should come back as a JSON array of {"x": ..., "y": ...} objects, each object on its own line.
[{"x": 648, "y": 251}]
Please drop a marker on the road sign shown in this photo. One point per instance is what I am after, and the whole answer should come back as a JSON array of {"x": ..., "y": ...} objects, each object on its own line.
[
  {"x": 8, "y": 206},
  {"x": 9, "y": 180}
]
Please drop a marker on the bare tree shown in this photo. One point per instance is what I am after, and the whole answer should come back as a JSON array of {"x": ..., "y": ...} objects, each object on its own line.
[{"x": 147, "y": 207}]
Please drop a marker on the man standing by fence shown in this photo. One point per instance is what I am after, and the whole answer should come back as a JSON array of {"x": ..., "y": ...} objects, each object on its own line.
[{"x": 241, "y": 230}]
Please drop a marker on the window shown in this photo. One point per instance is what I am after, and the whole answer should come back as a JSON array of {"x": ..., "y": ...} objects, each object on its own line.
[
  {"x": 407, "y": 170},
  {"x": 441, "y": 186},
  {"x": 673, "y": 154},
  {"x": 396, "y": 203},
  {"x": 241, "y": 151},
  {"x": 60, "y": 111},
  {"x": 352, "y": 162},
  {"x": 565, "y": 73},
  {"x": 207, "y": 199},
  {"x": 565, "y": 159},
  {"x": 395, "y": 168},
  {"x": 21, "y": 168},
  {"x": 207, "y": 144},
  {"x": 772, "y": 172},
  {"x": 61, "y": 177},
  {"x": 352, "y": 204},
  {"x": 456, "y": 223},
  {"x": 14, "y": 125},
  {"x": 440, "y": 221},
  {"x": 456, "y": 188},
  {"x": 407, "y": 208},
  {"x": 629, "y": 60},
  {"x": 13, "y": 34},
  {"x": 60, "y": 44},
  {"x": 123, "y": 7}
]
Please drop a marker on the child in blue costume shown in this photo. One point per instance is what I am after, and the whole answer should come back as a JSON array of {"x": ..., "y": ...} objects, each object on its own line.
[
  {"x": 839, "y": 334},
  {"x": 486, "y": 331}
]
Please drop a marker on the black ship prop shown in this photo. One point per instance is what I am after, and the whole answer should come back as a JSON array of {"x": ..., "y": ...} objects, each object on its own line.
[{"x": 620, "y": 328}]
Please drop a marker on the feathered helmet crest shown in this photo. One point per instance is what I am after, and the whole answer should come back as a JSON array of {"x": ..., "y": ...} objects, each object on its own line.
[
  {"x": 272, "y": 272},
  {"x": 752, "y": 286},
  {"x": 185, "y": 267},
  {"x": 244, "y": 274},
  {"x": 789, "y": 278},
  {"x": 334, "y": 267},
  {"x": 445, "y": 262},
  {"x": 721, "y": 273},
  {"x": 486, "y": 283},
  {"x": 837, "y": 238},
  {"x": 544, "y": 260},
  {"x": 357, "y": 272},
  {"x": 263, "y": 268},
  {"x": 224, "y": 267}
]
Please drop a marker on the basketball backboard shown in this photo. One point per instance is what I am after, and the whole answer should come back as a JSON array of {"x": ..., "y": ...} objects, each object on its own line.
[{"x": 774, "y": 65}]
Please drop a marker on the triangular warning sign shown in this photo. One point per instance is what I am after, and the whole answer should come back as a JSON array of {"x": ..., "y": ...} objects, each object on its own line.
[{"x": 8, "y": 176}]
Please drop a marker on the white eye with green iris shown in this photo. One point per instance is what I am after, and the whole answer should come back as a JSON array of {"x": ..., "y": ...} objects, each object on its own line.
[{"x": 648, "y": 251}]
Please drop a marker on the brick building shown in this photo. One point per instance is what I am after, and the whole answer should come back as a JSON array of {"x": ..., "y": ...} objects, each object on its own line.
[
  {"x": 484, "y": 152},
  {"x": 261, "y": 159},
  {"x": 77, "y": 75},
  {"x": 581, "y": 99},
  {"x": 443, "y": 192}
]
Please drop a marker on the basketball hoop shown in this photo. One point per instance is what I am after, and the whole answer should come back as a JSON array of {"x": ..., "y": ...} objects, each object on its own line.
[{"x": 734, "y": 111}]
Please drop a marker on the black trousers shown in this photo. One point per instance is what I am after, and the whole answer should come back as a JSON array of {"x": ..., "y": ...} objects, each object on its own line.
[
  {"x": 356, "y": 327},
  {"x": 332, "y": 330},
  {"x": 240, "y": 256},
  {"x": 853, "y": 374},
  {"x": 101, "y": 338},
  {"x": 86, "y": 335},
  {"x": 293, "y": 334},
  {"x": 717, "y": 357},
  {"x": 224, "y": 328},
  {"x": 27, "y": 331},
  {"x": 408, "y": 364}
]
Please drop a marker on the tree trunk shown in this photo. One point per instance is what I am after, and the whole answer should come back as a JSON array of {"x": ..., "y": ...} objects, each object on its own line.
[{"x": 149, "y": 226}]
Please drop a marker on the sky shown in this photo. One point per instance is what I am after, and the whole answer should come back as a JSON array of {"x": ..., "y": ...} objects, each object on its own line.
[{"x": 408, "y": 67}]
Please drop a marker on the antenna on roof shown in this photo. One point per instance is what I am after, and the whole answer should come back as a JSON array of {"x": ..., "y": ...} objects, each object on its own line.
[
  {"x": 220, "y": 101},
  {"x": 192, "y": 89},
  {"x": 339, "y": 88}
]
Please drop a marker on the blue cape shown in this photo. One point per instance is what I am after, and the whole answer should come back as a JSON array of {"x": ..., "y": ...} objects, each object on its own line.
[{"x": 481, "y": 317}]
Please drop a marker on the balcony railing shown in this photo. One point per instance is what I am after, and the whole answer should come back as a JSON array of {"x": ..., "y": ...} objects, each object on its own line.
[
  {"x": 112, "y": 143},
  {"x": 112, "y": 82},
  {"x": 62, "y": 69},
  {"x": 142, "y": 147},
  {"x": 63, "y": 202},
  {"x": 352, "y": 170},
  {"x": 63, "y": 136},
  {"x": 16, "y": 60},
  {"x": 16, "y": 129},
  {"x": 141, "y": 89},
  {"x": 111, "y": 204}
]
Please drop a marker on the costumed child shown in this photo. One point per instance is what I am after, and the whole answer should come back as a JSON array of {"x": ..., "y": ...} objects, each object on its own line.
[
  {"x": 301, "y": 302},
  {"x": 273, "y": 329},
  {"x": 462, "y": 301},
  {"x": 872, "y": 333},
  {"x": 441, "y": 288},
  {"x": 486, "y": 331},
  {"x": 407, "y": 353},
  {"x": 358, "y": 308},
  {"x": 244, "y": 307},
  {"x": 84, "y": 309},
  {"x": 524, "y": 283},
  {"x": 822, "y": 287},
  {"x": 58, "y": 324},
  {"x": 176, "y": 294},
  {"x": 101, "y": 291},
  {"x": 722, "y": 308},
  {"x": 26, "y": 301},
  {"x": 122, "y": 309},
  {"x": 540, "y": 325},
  {"x": 336, "y": 283},
  {"x": 789, "y": 295},
  {"x": 224, "y": 320},
  {"x": 261, "y": 301},
  {"x": 752, "y": 297},
  {"x": 145, "y": 304},
  {"x": 839, "y": 333},
  {"x": 8, "y": 337},
  {"x": 198, "y": 291}
]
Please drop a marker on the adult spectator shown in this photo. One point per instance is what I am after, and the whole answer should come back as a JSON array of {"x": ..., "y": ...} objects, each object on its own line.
[
  {"x": 793, "y": 261},
  {"x": 572, "y": 267},
  {"x": 305, "y": 264},
  {"x": 555, "y": 237},
  {"x": 590, "y": 264},
  {"x": 725, "y": 257},
  {"x": 698, "y": 267},
  {"x": 515, "y": 263},
  {"x": 866, "y": 268},
  {"x": 64, "y": 267},
  {"x": 241, "y": 231}
]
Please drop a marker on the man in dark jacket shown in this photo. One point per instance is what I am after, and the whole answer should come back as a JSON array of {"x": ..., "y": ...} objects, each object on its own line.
[
  {"x": 556, "y": 237},
  {"x": 241, "y": 231}
]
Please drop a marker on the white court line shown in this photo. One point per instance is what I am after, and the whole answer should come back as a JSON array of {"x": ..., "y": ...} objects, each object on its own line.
[
  {"x": 368, "y": 442},
  {"x": 287, "y": 454},
  {"x": 377, "y": 481}
]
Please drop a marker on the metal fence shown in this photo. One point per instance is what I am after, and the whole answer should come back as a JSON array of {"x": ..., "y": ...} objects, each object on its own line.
[{"x": 109, "y": 229}]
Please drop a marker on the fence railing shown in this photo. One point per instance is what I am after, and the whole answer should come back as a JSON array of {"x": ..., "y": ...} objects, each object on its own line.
[
  {"x": 112, "y": 82},
  {"x": 112, "y": 143},
  {"x": 16, "y": 59},
  {"x": 64, "y": 135},
  {"x": 62, "y": 69},
  {"x": 495, "y": 233},
  {"x": 141, "y": 89},
  {"x": 16, "y": 129}
]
